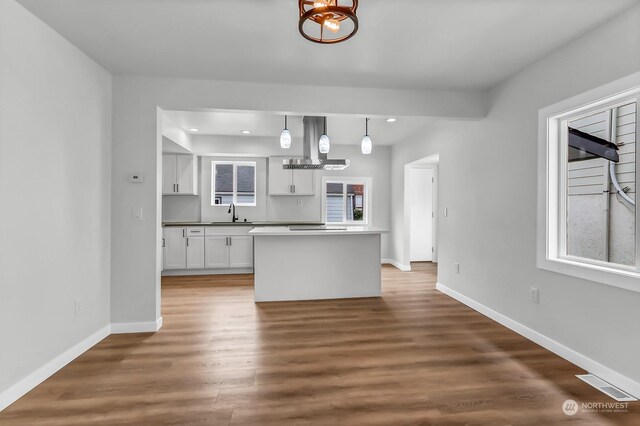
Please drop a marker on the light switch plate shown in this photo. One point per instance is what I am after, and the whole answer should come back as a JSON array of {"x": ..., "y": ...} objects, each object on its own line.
[
  {"x": 137, "y": 214},
  {"x": 534, "y": 295}
]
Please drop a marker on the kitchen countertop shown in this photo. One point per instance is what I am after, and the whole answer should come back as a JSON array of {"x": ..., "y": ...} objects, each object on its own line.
[
  {"x": 258, "y": 223},
  {"x": 330, "y": 230}
]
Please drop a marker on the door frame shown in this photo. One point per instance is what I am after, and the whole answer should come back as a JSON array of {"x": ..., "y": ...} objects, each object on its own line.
[{"x": 431, "y": 162}]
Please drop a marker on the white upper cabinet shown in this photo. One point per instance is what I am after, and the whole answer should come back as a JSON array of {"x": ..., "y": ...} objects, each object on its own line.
[
  {"x": 179, "y": 174},
  {"x": 289, "y": 182},
  {"x": 303, "y": 182}
]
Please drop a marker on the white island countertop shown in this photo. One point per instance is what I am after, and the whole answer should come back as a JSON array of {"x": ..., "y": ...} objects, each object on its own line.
[{"x": 302, "y": 231}]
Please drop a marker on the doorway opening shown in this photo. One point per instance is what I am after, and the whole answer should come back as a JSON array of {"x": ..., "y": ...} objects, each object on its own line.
[{"x": 421, "y": 198}]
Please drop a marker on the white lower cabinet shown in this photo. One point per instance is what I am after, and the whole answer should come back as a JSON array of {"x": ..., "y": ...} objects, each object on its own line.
[
  {"x": 240, "y": 251},
  {"x": 217, "y": 252},
  {"x": 195, "y": 252},
  {"x": 207, "y": 248},
  {"x": 175, "y": 248}
]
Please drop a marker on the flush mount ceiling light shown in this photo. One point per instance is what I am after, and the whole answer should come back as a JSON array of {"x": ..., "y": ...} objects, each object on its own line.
[
  {"x": 324, "y": 145},
  {"x": 193, "y": 129},
  {"x": 285, "y": 136},
  {"x": 365, "y": 146},
  {"x": 328, "y": 21},
  {"x": 245, "y": 132},
  {"x": 391, "y": 120}
]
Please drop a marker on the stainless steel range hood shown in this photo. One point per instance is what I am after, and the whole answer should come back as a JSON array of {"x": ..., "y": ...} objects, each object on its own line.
[{"x": 313, "y": 159}]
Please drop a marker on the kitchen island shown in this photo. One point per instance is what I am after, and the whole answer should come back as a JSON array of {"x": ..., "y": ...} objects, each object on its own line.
[{"x": 313, "y": 262}]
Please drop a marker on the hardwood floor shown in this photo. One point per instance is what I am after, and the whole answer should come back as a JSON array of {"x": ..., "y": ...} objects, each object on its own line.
[{"x": 414, "y": 356}]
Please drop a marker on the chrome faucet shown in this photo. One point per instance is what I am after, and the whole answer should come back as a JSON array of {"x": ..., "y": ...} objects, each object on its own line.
[{"x": 234, "y": 218}]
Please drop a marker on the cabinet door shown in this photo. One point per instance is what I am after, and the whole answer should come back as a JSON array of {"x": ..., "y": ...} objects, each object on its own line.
[
  {"x": 168, "y": 174},
  {"x": 216, "y": 252},
  {"x": 186, "y": 174},
  {"x": 195, "y": 252},
  {"x": 175, "y": 248},
  {"x": 279, "y": 178},
  {"x": 303, "y": 182},
  {"x": 241, "y": 252}
]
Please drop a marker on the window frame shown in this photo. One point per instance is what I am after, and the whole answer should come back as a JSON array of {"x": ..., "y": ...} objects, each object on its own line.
[
  {"x": 366, "y": 181},
  {"x": 235, "y": 165},
  {"x": 552, "y": 186}
]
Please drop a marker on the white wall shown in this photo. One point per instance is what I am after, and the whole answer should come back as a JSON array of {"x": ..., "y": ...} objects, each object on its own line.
[
  {"x": 488, "y": 181},
  {"x": 55, "y": 135}
]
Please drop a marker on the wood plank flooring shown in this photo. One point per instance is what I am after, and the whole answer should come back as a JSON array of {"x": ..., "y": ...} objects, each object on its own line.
[{"x": 414, "y": 356}]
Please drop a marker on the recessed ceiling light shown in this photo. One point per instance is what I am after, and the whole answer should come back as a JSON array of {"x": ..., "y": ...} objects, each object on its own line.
[
  {"x": 245, "y": 132},
  {"x": 391, "y": 120},
  {"x": 193, "y": 129}
]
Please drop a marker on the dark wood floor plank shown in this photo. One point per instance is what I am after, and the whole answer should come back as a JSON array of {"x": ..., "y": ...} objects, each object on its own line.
[{"x": 414, "y": 356}]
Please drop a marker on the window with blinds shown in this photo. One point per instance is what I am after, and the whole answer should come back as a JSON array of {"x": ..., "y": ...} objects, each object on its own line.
[{"x": 346, "y": 201}]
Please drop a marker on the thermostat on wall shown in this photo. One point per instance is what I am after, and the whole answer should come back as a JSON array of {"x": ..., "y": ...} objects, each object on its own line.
[{"x": 136, "y": 178}]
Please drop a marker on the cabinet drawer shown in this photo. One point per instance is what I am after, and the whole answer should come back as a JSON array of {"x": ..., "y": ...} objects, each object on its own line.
[{"x": 195, "y": 232}]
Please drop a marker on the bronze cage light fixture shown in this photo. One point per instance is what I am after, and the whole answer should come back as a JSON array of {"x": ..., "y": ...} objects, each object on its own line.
[{"x": 328, "y": 21}]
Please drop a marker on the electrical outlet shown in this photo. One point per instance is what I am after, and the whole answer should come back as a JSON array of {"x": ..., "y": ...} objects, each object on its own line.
[
  {"x": 299, "y": 203},
  {"x": 77, "y": 308},
  {"x": 457, "y": 267},
  {"x": 534, "y": 295}
]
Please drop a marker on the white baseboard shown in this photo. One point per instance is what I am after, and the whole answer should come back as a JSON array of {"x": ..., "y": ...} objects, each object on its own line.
[
  {"x": 582, "y": 361},
  {"x": 403, "y": 268},
  {"x": 16, "y": 391},
  {"x": 10, "y": 395},
  {"x": 136, "y": 327}
]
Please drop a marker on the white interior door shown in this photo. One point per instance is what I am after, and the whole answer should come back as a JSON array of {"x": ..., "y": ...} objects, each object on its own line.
[{"x": 421, "y": 236}]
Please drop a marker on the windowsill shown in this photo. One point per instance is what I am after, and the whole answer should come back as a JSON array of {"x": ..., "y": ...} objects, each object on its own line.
[{"x": 626, "y": 279}]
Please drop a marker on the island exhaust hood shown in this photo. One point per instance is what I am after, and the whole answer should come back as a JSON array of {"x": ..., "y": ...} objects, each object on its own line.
[{"x": 313, "y": 159}]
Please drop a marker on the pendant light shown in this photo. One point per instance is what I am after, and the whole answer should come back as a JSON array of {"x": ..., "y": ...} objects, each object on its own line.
[
  {"x": 366, "y": 140},
  {"x": 324, "y": 145},
  {"x": 285, "y": 136}
]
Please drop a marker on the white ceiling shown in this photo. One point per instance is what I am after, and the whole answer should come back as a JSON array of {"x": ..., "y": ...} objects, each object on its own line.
[
  {"x": 427, "y": 44},
  {"x": 342, "y": 129}
]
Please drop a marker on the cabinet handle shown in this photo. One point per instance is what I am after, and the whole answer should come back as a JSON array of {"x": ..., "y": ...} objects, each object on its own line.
[
  {"x": 178, "y": 187},
  {"x": 187, "y": 242},
  {"x": 163, "y": 243},
  {"x": 184, "y": 233},
  {"x": 230, "y": 241},
  {"x": 294, "y": 189}
]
